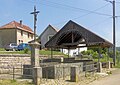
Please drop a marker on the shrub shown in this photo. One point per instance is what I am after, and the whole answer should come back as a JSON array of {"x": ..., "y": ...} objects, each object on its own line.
[{"x": 26, "y": 50}]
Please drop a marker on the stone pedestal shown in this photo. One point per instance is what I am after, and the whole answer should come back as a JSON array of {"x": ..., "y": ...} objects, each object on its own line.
[
  {"x": 108, "y": 65},
  {"x": 35, "y": 54},
  {"x": 74, "y": 74},
  {"x": 99, "y": 67},
  {"x": 35, "y": 63},
  {"x": 37, "y": 75}
]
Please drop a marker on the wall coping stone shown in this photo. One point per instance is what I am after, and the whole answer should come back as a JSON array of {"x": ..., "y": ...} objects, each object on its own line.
[
  {"x": 15, "y": 55},
  {"x": 29, "y": 55}
]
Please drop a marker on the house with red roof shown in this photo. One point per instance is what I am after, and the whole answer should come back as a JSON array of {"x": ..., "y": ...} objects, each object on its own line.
[{"x": 15, "y": 32}]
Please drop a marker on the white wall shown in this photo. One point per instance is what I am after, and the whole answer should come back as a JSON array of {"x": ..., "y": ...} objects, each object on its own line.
[
  {"x": 23, "y": 37},
  {"x": 73, "y": 52}
]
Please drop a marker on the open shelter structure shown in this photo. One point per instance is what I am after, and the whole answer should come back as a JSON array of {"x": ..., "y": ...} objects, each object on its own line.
[{"x": 72, "y": 36}]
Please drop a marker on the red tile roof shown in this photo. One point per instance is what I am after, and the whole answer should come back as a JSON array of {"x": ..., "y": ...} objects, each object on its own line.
[{"x": 17, "y": 25}]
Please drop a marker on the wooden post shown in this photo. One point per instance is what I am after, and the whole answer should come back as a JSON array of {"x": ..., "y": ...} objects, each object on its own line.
[
  {"x": 51, "y": 53},
  {"x": 99, "y": 54},
  {"x": 68, "y": 52}
]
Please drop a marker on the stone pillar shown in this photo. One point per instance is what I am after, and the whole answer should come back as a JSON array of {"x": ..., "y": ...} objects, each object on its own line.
[
  {"x": 99, "y": 67},
  {"x": 74, "y": 74},
  {"x": 108, "y": 65},
  {"x": 35, "y": 63},
  {"x": 37, "y": 75},
  {"x": 62, "y": 59},
  {"x": 35, "y": 54}
]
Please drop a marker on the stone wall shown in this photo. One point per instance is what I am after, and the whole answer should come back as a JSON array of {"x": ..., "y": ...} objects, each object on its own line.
[
  {"x": 7, "y": 61},
  {"x": 19, "y": 59},
  {"x": 60, "y": 70},
  {"x": 14, "y": 60}
]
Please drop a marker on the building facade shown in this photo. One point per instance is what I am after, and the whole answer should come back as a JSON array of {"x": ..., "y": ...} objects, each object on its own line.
[
  {"x": 15, "y": 32},
  {"x": 46, "y": 35}
]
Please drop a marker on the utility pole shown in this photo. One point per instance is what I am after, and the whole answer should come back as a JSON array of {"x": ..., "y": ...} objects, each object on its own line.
[
  {"x": 35, "y": 20},
  {"x": 114, "y": 35}
]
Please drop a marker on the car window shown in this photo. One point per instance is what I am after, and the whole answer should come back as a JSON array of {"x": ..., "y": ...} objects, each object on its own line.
[
  {"x": 26, "y": 44},
  {"x": 20, "y": 45},
  {"x": 13, "y": 44}
]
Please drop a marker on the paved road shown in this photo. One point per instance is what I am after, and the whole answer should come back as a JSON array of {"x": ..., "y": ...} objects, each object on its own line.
[{"x": 113, "y": 79}]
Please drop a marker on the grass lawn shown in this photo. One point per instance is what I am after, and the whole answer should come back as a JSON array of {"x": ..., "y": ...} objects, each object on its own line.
[
  {"x": 48, "y": 52},
  {"x": 2, "y": 49},
  {"x": 13, "y": 52},
  {"x": 104, "y": 60},
  {"x": 14, "y": 82},
  {"x": 42, "y": 52}
]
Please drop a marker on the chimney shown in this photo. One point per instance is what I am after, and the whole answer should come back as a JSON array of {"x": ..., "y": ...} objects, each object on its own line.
[{"x": 21, "y": 23}]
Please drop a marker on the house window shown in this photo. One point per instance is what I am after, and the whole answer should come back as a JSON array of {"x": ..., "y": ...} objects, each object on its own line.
[
  {"x": 21, "y": 33},
  {"x": 49, "y": 37}
]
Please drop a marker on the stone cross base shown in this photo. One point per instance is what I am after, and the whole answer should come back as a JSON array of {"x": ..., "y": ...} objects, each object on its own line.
[{"x": 37, "y": 75}]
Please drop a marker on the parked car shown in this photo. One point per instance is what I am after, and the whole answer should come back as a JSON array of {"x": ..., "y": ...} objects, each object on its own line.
[
  {"x": 23, "y": 46},
  {"x": 11, "y": 47}
]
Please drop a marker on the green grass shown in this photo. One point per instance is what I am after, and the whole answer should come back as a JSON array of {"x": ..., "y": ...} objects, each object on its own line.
[
  {"x": 117, "y": 66},
  {"x": 12, "y": 52},
  {"x": 41, "y": 52},
  {"x": 2, "y": 49},
  {"x": 111, "y": 60},
  {"x": 14, "y": 82},
  {"x": 104, "y": 60},
  {"x": 48, "y": 52}
]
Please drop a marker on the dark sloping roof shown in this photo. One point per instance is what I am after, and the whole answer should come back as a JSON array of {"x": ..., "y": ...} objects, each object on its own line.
[
  {"x": 72, "y": 35},
  {"x": 17, "y": 25}
]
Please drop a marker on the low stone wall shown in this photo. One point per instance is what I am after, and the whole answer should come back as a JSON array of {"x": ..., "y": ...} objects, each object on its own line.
[
  {"x": 19, "y": 59},
  {"x": 60, "y": 70},
  {"x": 8, "y": 61},
  {"x": 15, "y": 60},
  {"x": 55, "y": 70}
]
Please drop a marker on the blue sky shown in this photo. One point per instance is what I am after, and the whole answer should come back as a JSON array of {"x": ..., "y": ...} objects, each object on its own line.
[{"x": 92, "y": 14}]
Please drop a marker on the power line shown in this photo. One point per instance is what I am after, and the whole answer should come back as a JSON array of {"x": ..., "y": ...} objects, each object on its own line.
[
  {"x": 117, "y": 2},
  {"x": 78, "y": 8},
  {"x": 100, "y": 22},
  {"x": 68, "y": 6},
  {"x": 81, "y": 15},
  {"x": 112, "y": 1}
]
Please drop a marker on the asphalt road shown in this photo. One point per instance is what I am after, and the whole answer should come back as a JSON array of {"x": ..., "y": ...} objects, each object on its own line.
[{"x": 113, "y": 79}]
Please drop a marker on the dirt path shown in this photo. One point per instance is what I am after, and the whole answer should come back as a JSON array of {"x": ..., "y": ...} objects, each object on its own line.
[{"x": 113, "y": 79}]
